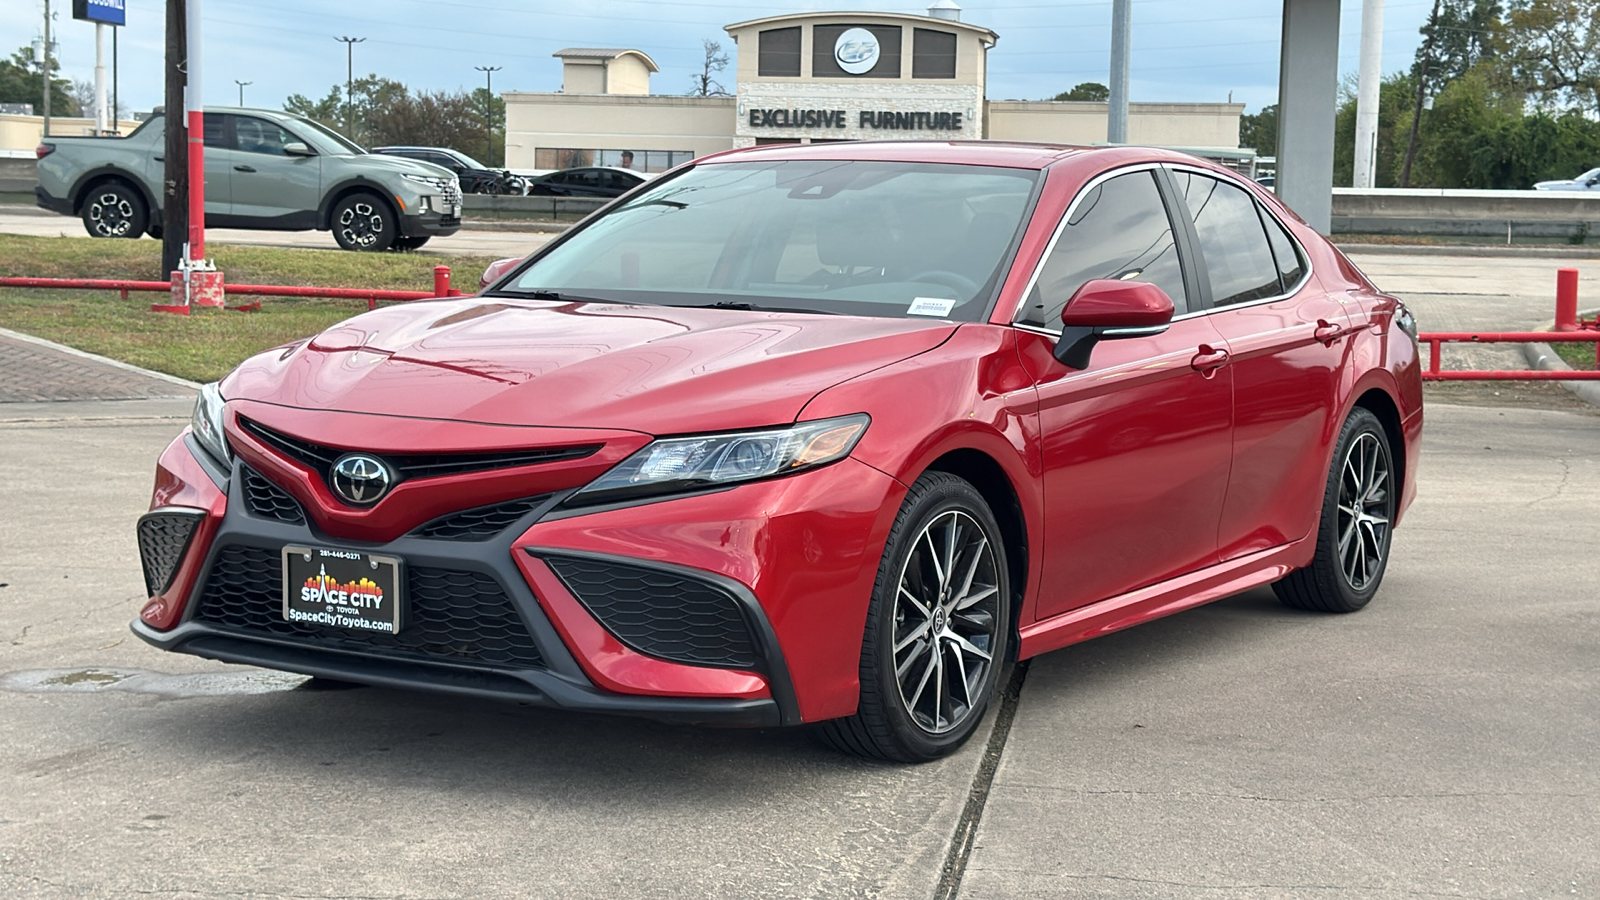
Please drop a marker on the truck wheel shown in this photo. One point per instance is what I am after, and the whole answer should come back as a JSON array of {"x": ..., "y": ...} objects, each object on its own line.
[
  {"x": 362, "y": 221},
  {"x": 115, "y": 210}
]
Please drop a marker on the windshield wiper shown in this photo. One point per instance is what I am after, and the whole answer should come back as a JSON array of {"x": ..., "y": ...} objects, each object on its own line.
[
  {"x": 543, "y": 294},
  {"x": 740, "y": 304},
  {"x": 643, "y": 203}
]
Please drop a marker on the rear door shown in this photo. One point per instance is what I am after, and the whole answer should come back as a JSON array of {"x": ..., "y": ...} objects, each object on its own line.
[
  {"x": 1286, "y": 339},
  {"x": 1136, "y": 446}
]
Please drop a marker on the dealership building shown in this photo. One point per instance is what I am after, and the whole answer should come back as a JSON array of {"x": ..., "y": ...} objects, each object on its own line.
[{"x": 819, "y": 77}]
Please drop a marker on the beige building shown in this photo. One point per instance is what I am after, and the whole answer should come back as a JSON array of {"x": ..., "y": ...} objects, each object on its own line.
[{"x": 817, "y": 77}]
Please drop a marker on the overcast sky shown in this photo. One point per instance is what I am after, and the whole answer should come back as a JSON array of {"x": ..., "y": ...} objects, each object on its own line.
[{"x": 1182, "y": 50}]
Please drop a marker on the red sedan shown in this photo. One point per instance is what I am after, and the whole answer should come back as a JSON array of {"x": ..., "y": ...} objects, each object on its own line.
[{"x": 806, "y": 434}]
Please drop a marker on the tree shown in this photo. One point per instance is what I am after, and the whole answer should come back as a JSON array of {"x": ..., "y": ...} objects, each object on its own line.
[
  {"x": 1467, "y": 33},
  {"x": 22, "y": 82},
  {"x": 1090, "y": 91},
  {"x": 1260, "y": 131},
  {"x": 1554, "y": 47},
  {"x": 715, "y": 61},
  {"x": 83, "y": 97},
  {"x": 386, "y": 112},
  {"x": 1395, "y": 96}
]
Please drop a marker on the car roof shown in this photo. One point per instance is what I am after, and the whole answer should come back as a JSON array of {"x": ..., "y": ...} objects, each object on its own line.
[{"x": 1008, "y": 154}]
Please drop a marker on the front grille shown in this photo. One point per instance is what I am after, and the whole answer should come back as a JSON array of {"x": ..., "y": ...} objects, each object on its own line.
[
  {"x": 659, "y": 613},
  {"x": 269, "y": 501},
  {"x": 480, "y": 524},
  {"x": 163, "y": 538},
  {"x": 450, "y": 615},
  {"x": 320, "y": 458}
]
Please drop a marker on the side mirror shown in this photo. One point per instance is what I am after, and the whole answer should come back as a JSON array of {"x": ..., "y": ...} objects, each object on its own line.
[
  {"x": 298, "y": 148},
  {"x": 496, "y": 269},
  {"x": 1107, "y": 310}
]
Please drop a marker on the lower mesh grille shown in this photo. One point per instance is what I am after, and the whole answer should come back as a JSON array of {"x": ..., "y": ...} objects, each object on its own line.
[
  {"x": 665, "y": 615},
  {"x": 450, "y": 615},
  {"x": 269, "y": 501},
  {"x": 163, "y": 536}
]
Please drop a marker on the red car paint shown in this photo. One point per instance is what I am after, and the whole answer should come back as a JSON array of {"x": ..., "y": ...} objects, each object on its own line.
[{"x": 1174, "y": 470}]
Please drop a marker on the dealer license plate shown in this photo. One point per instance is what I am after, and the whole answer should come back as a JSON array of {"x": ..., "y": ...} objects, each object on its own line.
[{"x": 341, "y": 589}]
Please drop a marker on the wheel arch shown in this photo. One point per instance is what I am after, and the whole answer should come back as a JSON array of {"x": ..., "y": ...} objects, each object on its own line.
[
  {"x": 989, "y": 478},
  {"x": 357, "y": 185},
  {"x": 88, "y": 180},
  {"x": 1377, "y": 401}
]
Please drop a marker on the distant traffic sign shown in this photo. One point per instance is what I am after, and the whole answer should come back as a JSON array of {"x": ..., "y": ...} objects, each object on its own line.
[{"x": 110, "y": 12}]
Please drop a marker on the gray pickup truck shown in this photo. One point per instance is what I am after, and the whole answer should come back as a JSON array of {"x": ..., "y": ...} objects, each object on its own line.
[{"x": 265, "y": 170}]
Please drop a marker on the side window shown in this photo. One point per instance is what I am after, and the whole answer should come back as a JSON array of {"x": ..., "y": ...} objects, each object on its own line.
[
  {"x": 217, "y": 132},
  {"x": 1291, "y": 267},
  {"x": 1119, "y": 229},
  {"x": 1238, "y": 258},
  {"x": 585, "y": 178},
  {"x": 260, "y": 136}
]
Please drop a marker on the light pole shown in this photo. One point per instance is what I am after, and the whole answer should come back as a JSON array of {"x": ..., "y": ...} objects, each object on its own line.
[
  {"x": 241, "y": 85},
  {"x": 488, "y": 110},
  {"x": 349, "y": 82}
]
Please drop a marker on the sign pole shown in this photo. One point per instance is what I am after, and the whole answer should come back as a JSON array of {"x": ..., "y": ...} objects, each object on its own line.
[{"x": 99, "y": 78}]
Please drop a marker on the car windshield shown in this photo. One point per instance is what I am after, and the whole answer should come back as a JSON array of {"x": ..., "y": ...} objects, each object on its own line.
[
  {"x": 343, "y": 143},
  {"x": 827, "y": 236},
  {"x": 466, "y": 160}
]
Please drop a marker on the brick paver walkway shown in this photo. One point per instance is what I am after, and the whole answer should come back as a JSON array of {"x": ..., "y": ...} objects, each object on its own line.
[{"x": 30, "y": 372}]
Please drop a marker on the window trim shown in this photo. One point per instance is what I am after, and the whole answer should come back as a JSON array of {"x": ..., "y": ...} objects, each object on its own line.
[
  {"x": 1178, "y": 238},
  {"x": 1261, "y": 209}
]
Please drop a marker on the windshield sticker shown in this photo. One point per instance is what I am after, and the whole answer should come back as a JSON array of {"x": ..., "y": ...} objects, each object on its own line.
[{"x": 931, "y": 306}]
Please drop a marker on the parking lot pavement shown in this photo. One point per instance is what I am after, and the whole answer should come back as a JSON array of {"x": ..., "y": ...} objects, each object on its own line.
[
  {"x": 1440, "y": 742},
  {"x": 486, "y": 243}
]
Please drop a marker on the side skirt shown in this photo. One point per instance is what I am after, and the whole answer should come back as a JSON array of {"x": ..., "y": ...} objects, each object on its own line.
[{"x": 1164, "y": 599}]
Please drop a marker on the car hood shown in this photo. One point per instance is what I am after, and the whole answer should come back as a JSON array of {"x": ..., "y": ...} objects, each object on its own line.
[
  {"x": 1559, "y": 185},
  {"x": 659, "y": 370},
  {"x": 398, "y": 164}
]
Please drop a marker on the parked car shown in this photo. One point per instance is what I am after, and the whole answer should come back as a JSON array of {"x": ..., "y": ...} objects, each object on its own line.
[
  {"x": 475, "y": 177},
  {"x": 1588, "y": 181},
  {"x": 265, "y": 170},
  {"x": 806, "y": 434},
  {"x": 590, "y": 181}
]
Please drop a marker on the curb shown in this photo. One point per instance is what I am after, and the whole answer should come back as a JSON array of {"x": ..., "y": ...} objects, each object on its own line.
[
  {"x": 114, "y": 363},
  {"x": 1482, "y": 250},
  {"x": 1542, "y": 357}
]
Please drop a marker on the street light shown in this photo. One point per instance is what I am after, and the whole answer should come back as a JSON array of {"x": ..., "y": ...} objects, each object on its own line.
[
  {"x": 488, "y": 110},
  {"x": 349, "y": 81},
  {"x": 241, "y": 85}
]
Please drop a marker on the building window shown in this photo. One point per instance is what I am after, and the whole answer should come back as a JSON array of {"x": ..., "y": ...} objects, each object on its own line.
[
  {"x": 637, "y": 160},
  {"x": 779, "y": 54},
  {"x": 824, "y": 37},
  {"x": 933, "y": 54}
]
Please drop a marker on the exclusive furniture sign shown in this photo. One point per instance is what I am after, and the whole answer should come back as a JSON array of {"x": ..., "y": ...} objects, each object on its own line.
[{"x": 880, "y": 120}]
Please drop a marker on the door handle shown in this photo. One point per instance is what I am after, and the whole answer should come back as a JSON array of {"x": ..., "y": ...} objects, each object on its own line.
[
  {"x": 1327, "y": 332},
  {"x": 1209, "y": 359},
  {"x": 160, "y": 159},
  {"x": 244, "y": 168}
]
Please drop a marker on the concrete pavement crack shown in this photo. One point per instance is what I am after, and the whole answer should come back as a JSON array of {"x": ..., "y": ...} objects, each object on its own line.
[
  {"x": 955, "y": 863},
  {"x": 1566, "y": 474}
]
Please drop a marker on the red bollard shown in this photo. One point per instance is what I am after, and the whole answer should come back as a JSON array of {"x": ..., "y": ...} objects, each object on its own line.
[
  {"x": 1566, "y": 299},
  {"x": 441, "y": 283}
]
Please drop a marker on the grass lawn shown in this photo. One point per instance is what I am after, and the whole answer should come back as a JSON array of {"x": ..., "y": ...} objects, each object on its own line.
[
  {"x": 1578, "y": 356},
  {"x": 205, "y": 345}
]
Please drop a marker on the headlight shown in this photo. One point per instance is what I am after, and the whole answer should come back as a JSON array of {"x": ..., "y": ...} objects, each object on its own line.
[
  {"x": 207, "y": 423},
  {"x": 435, "y": 183},
  {"x": 679, "y": 464}
]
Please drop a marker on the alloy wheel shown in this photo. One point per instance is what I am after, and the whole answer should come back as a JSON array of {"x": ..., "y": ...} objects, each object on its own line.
[
  {"x": 1364, "y": 512},
  {"x": 111, "y": 214},
  {"x": 360, "y": 223},
  {"x": 945, "y": 622}
]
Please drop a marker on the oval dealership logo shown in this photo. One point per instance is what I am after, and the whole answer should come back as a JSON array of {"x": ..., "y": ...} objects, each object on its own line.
[
  {"x": 359, "y": 479},
  {"x": 856, "y": 51}
]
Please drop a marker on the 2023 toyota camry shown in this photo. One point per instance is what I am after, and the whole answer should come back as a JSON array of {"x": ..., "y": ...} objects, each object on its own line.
[{"x": 824, "y": 434}]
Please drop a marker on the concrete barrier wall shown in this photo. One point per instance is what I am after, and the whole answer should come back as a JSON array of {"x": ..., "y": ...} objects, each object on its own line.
[
  {"x": 561, "y": 209},
  {"x": 1560, "y": 214},
  {"x": 18, "y": 174}
]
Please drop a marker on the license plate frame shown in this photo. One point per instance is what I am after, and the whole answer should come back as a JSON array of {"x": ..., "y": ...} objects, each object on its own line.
[{"x": 362, "y": 593}]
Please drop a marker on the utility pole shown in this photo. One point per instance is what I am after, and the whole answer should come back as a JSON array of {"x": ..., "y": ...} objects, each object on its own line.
[
  {"x": 349, "y": 83},
  {"x": 175, "y": 156},
  {"x": 1121, "y": 51},
  {"x": 241, "y": 85},
  {"x": 1367, "y": 82},
  {"x": 1422, "y": 86},
  {"x": 488, "y": 112},
  {"x": 47, "y": 68}
]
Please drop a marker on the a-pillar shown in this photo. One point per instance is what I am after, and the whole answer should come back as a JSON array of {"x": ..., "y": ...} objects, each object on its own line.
[{"x": 1308, "y": 95}]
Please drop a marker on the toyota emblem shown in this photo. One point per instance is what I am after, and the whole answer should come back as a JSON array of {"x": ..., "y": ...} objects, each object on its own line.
[{"x": 360, "y": 479}]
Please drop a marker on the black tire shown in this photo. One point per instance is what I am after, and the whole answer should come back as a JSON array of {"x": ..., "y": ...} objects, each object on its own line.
[
  {"x": 410, "y": 243},
  {"x": 1355, "y": 529},
  {"x": 939, "y": 508},
  {"x": 363, "y": 222},
  {"x": 154, "y": 230},
  {"x": 114, "y": 209}
]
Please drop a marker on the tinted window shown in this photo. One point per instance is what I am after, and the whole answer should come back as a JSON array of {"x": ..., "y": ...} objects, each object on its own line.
[
  {"x": 933, "y": 54},
  {"x": 780, "y": 53},
  {"x": 584, "y": 178},
  {"x": 1291, "y": 268},
  {"x": 1118, "y": 229},
  {"x": 255, "y": 135},
  {"x": 1238, "y": 260},
  {"x": 824, "y": 37},
  {"x": 217, "y": 132}
]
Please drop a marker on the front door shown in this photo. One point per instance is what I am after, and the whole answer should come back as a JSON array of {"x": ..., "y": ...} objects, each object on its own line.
[
  {"x": 272, "y": 189},
  {"x": 1136, "y": 447}
]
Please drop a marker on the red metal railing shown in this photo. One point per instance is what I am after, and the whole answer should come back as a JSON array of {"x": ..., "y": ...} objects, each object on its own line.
[
  {"x": 1435, "y": 342},
  {"x": 441, "y": 288}
]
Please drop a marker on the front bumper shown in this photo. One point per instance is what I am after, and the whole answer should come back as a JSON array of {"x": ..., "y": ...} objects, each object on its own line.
[
  {"x": 429, "y": 224},
  {"x": 806, "y": 546}
]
